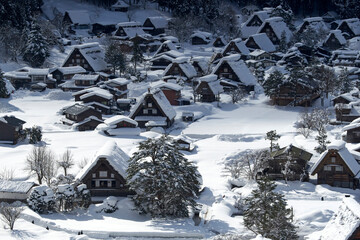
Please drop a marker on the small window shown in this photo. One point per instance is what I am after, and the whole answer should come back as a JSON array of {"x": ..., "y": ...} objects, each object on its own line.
[
  {"x": 327, "y": 168},
  {"x": 103, "y": 173},
  {"x": 339, "y": 168},
  {"x": 103, "y": 183},
  {"x": 94, "y": 175},
  {"x": 97, "y": 183},
  {"x": 230, "y": 76},
  {"x": 226, "y": 69},
  {"x": 109, "y": 183},
  {"x": 150, "y": 104},
  {"x": 145, "y": 111},
  {"x": 77, "y": 60},
  {"x": 112, "y": 175},
  {"x": 93, "y": 183},
  {"x": 113, "y": 184},
  {"x": 72, "y": 60},
  {"x": 154, "y": 111},
  {"x": 333, "y": 159}
]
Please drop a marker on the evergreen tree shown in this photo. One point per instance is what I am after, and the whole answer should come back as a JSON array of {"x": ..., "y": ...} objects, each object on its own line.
[
  {"x": 36, "y": 50},
  {"x": 34, "y": 134},
  {"x": 165, "y": 182},
  {"x": 322, "y": 140},
  {"x": 344, "y": 81},
  {"x": 273, "y": 137},
  {"x": 326, "y": 78},
  {"x": 3, "y": 90},
  {"x": 115, "y": 56},
  {"x": 137, "y": 55},
  {"x": 272, "y": 84},
  {"x": 266, "y": 213},
  {"x": 286, "y": 13}
]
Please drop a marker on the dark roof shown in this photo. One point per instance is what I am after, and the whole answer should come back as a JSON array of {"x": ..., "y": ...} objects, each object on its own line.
[
  {"x": 13, "y": 121},
  {"x": 76, "y": 109},
  {"x": 295, "y": 151}
]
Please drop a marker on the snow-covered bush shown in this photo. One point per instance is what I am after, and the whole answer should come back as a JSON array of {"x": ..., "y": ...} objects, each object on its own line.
[
  {"x": 41, "y": 199},
  {"x": 109, "y": 205},
  {"x": 83, "y": 197},
  {"x": 34, "y": 134},
  {"x": 65, "y": 197}
]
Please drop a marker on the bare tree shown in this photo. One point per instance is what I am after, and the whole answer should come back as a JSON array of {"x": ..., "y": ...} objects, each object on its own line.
[
  {"x": 83, "y": 163},
  {"x": 247, "y": 163},
  {"x": 237, "y": 94},
  {"x": 313, "y": 121},
  {"x": 66, "y": 161},
  {"x": 10, "y": 213},
  {"x": 41, "y": 162},
  {"x": 7, "y": 173}
]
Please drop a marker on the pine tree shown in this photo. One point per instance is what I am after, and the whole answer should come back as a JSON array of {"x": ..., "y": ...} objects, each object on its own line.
[
  {"x": 273, "y": 137},
  {"x": 36, "y": 50},
  {"x": 282, "y": 47},
  {"x": 272, "y": 84},
  {"x": 137, "y": 55},
  {"x": 3, "y": 90},
  {"x": 165, "y": 182},
  {"x": 115, "y": 56},
  {"x": 344, "y": 81},
  {"x": 266, "y": 213},
  {"x": 322, "y": 140}
]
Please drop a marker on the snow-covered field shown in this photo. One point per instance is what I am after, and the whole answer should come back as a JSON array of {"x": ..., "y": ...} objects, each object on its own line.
[{"x": 222, "y": 131}]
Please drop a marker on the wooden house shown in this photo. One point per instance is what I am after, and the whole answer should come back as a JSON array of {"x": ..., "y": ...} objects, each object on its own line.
[
  {"x": 120, "y": 6},
  {"x": 232, "y": 70},
  {"x": 215, "y": 58},
  {"x": 153, "y": 110},
  {"x": 118, "y": 87},
  {"x": 133, "y": 33},
  {"x": 62, "y": 74},
  {"x": 27, "y": 76},
  {"x": 315, "y": 23},
  {"x": 90, "y": 56},
  {"x": 345, "y": 98},
  {"x": 80, "y": 82},
  {"x": 79, "y": 113},
  {"x": 303, "y": 93},
  {"x": 166, "y": 46},
  {"x": 119, "y": 125},
  {"x": 98, "y": 98},
  {"x": 346, "y": 112},
  {"x": 260, "y": 41},
  {"x": 345, "y": 223},
  {"x": 208, "y": 89},
  {"x": 236, "y": 46},
  {"x": 330, "y": 16},
  {"x": 78, "y": 19},
  {"x": 155, "y": 25},
  {"x": 298, "y": 163},
  {"x": 172, "y": 91},
  {"x": 201, "y": 65},
  {"x": 352, "y": 131},
  {"x": 12, "y": 191},
  {"x": 105, "y": 175},
  {"x": 337, "y": 167},
  {"x": 219, "y": 42},
  {"x": 334, "y": 40},
  {"x": 348, "y": 58},
  {"x": 275, "y": 27},
  {"x": 200, "y": 38},
  {"x": 261, "y": 56},
  {"x": 11, "y": 129},
  {"x": 184, "y": 143},
  {"x": 162, "y": 60},
  {"x": 120, "y": 32},
  {"x": 350, "y": 27},
  {"x": 99, "y": 28},
  {"x": 251, "y": 26},
  {"x": 182, "y": 68}
]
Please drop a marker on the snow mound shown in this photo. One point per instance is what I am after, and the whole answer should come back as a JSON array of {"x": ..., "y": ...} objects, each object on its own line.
[{"x": 59, "y": 95}]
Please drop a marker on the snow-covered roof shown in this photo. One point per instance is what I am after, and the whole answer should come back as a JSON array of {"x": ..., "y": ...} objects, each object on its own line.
[
  {"x": 338, "y": 35},
  {"x": 97, "y": 92},
  {"x": 116, "y": 157},
  {"x": 15, "y": 186},
  {"x": 79, "y": 16},
  {"x": 172, "y": 53},
  {"x": 85, "y": 77},
  {"x": 246, "y": 30},
  {"x": 256, "y": 53},
  {"x": 203, "y": 62},
  {"x": 206, "y": 36},
  {"x": 239, "y": 68},
  {"x": 347, "y": 96},
  {"x": 69, "y": 70},
  {"x": 208, "y": 78},
  {"x": 169, "y": 44},
  {"x": 240, "y": 44},
  {"x": 187, "y": 68},
  {"x": 161, "y": 84},
  {"x": 118, "y": 81},
  {"x": 128, "y": 24},
  {"x": 132, "y": 32},
  {"x": 119, "y": 118},
  {"x": 316, "y": 23},
  {"x": 34, "y": 71},
  {"x": 344, "y": 222},
  {"x": 120, "y": 4},
  {"x": 263, "y": 41},
  {"x": 278, "y": 26},
  {"x": 354, "y": 25},
  {"x": 158, "y": 22},
  {"x": 344, "y": 153},
  {"x": 86, "y": 120},
  {"x": 161, "y": 100}
]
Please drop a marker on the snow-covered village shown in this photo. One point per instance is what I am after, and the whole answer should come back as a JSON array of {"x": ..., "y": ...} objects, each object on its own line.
[{"x": 181, "y": 119}]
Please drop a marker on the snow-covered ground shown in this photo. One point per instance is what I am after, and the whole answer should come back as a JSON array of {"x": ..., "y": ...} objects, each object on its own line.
[{"x": 222, "y": 131}]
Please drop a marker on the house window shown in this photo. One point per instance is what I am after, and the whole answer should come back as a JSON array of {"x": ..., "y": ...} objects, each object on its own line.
[
  {"x": 97, "y": 184},
  {"x": 94, "y": 175},
  {"x": 113, "y": 184},
  {"x": 77, "y": 60},
  {"x": 226, "y": 69},
  {"x": 86, "y": 65},
  {"x": 327, "y": 168},
  {"x": 93, "y": 183},
  {"x": 154, "y": 111},
  {"x": 77, "y": 55},
  {"x": 339, "y": 168},
  {"x": 145, "y": 111},
  {"x": 149, "y": 104},
  {"x": 103, "y": 183},
  {"x": 72, "y": 60},
  {"x": 109, "y": 183},
  {"x": 333, "y": 159},
  {"x": 103, "y": 173},
  {"x": 230, "y": 75},
  {"x": 112, "y": 175}
]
